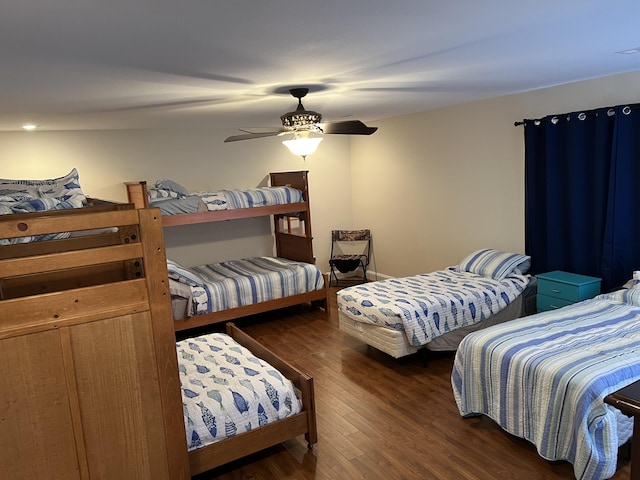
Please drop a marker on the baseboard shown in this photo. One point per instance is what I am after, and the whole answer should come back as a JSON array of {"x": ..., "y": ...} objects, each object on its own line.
[{"x": 372, "y": 276}]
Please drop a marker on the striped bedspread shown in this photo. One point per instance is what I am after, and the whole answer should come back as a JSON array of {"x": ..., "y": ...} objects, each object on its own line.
[
  {"x": 226, "y": 390},
  {"x": 429, "y": 305},
  {"x": 544, "y": 377},
  {"x": 238, "y": 283},
  {"x": 171, "y": 203},
  {"x": 262, "y": 196}
]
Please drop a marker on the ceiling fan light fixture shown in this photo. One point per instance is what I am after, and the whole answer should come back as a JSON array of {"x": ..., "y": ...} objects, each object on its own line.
[
  {"x": 301, "y": 144},
  {"x": 300, "y": 119},
  {"x": 301, "y": 124}
]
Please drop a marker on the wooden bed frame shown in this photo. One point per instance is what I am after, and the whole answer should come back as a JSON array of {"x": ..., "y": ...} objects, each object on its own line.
[
  {"x": 289, "y": 243},
  {"x": 238, "y": 446},
  {"x": 89, "y": 359}
]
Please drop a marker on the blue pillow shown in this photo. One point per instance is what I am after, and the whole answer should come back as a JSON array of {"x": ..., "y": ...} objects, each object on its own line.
[
  {"x": 65, "y": 189},
  {"x": 172, "y": 186},
  {"x": 494, "y": 264}
]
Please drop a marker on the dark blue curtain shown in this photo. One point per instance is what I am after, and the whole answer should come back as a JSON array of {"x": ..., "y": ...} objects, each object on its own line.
[{"x": 582, "y": 171}]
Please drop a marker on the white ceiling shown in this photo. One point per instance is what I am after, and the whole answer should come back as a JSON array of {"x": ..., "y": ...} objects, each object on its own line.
[{"x": 103, "y": 64}]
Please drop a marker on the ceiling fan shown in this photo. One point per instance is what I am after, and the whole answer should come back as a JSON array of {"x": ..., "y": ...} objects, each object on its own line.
[{"x": 302, "y": 123}]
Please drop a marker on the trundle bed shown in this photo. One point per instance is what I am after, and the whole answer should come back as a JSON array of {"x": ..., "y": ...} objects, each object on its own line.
[
  {"x": 91, "y": 384},
  {"x": 287, "y": 202}
]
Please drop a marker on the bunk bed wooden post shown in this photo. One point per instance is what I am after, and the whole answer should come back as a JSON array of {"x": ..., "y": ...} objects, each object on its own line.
[
  {"x": 294, "y": 245},
  {"x": 138, "y": 194},
  {"x": 155, "y": 269}
]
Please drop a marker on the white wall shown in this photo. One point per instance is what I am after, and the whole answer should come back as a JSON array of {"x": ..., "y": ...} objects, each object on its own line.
[
  {"x": 431, "y": 186},
  {"x": 198, "y": 159},
  {"x": 437, "y": 185}
]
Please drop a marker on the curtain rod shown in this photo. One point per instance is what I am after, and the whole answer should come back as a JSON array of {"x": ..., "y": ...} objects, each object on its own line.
[{"x": 626, "y": 109}]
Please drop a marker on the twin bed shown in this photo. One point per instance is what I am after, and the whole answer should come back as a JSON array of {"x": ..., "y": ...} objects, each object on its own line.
[
  {"x": 88, "y": 341},
  {"x": 544, "y": 378},
  {"x": 436, "y": 310}
]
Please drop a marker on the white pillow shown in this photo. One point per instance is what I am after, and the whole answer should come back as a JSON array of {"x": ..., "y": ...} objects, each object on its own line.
[
  {"x": 183, "y": 275},
  {"x": 629, "y": 296}
]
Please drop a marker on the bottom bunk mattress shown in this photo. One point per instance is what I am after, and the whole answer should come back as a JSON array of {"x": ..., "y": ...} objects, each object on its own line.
[
  {"x": 434, "y": 310},
  {"x": 236, "y": 283},
  {"x": 544, "y": 378},
  {"x": 226, "y": 390}
]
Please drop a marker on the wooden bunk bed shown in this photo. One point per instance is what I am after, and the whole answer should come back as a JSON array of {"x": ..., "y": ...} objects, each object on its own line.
[
  {"x": 293, "y": 241},
  {"x": 90, "y": 385}
]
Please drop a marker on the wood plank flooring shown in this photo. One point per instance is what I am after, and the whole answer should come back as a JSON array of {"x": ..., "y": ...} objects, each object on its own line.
[{"x": 380, "y": 418}]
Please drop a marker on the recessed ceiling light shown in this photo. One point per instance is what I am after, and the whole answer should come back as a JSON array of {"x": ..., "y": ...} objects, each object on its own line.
[
  {"x": 29, "y": 126},
  {"x": 630, "y": 51}
]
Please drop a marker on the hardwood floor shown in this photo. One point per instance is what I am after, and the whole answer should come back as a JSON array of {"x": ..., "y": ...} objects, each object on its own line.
[{"x": 380, "y": 418}]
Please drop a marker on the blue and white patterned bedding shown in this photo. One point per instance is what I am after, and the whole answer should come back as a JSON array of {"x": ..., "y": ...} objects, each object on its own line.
[
  {"x": 237, "y": 283},
  {"x": 544, "y": 377},
  {"x": 170, "y": 202},
  {"x": 429, "y": 305},
  {"x": 27, "y": 196},
  {"x": 226, "y": 390}
]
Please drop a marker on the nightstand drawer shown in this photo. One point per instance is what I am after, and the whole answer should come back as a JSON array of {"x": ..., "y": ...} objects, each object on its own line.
[
  {"x": 565, "y": 291},
  {"x": 545, "y": 303}
]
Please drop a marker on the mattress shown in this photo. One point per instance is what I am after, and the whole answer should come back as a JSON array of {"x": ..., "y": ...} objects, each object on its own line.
[
  {"x": 395, "y": 342},
  {"x": 441, "y": 303},
  {"x": 171, "y": 203},
  {"x": 236, "y": 283},
  {"x": 226, "y": 390}
]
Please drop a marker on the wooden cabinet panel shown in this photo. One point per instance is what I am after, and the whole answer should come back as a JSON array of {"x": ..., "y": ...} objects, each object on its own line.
[
  {"x": 36, "y": 430},
  {"x": 115, "y": 371}
]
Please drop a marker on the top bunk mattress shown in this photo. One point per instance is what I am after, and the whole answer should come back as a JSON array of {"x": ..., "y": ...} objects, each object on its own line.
[{"x": 173, "y": 199}]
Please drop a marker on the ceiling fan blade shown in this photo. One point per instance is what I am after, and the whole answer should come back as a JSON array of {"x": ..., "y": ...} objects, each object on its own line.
[
  {"x": 248, "y": 136},
  {"x": 349, "y": 127}
]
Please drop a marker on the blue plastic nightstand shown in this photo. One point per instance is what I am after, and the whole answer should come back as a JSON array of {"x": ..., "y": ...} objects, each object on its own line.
[{"x": 558, "y": 289}]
